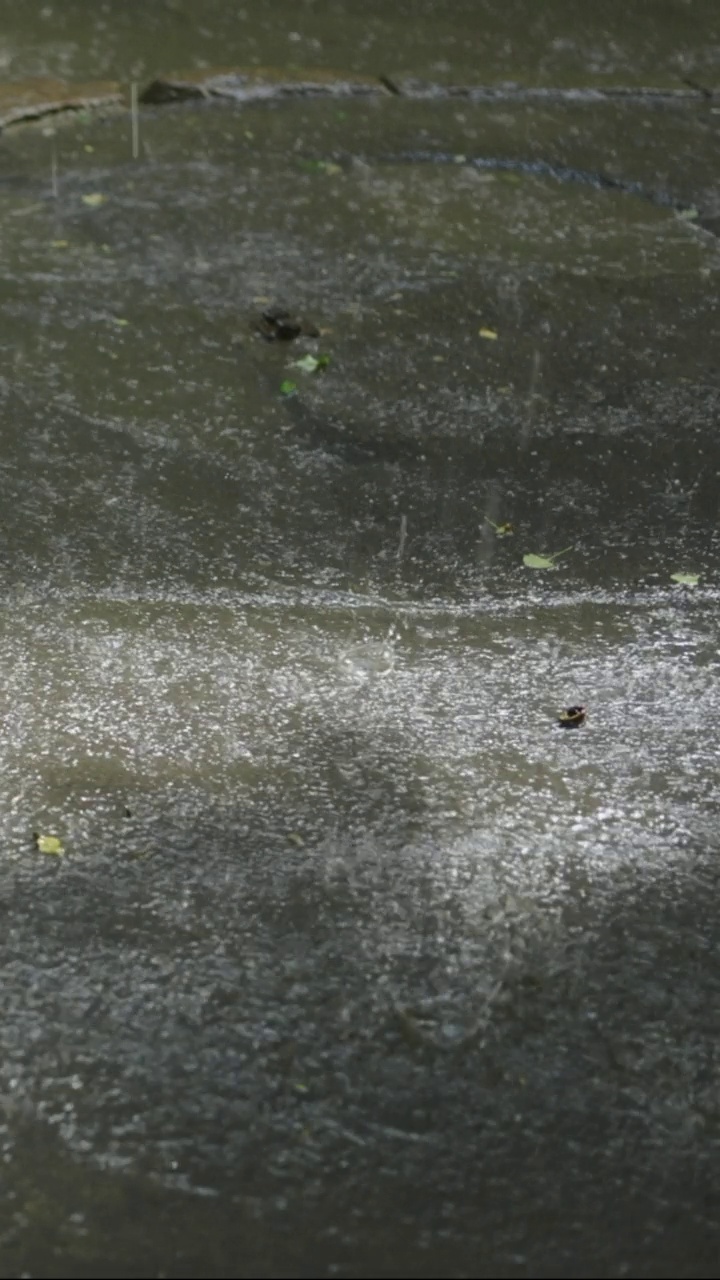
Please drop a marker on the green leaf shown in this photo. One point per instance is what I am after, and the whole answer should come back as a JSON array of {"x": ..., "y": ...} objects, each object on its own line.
[
  {"x": 308, "y": 364},
  {"x": 544, "y": 562},
  {"x": 690, "y": 214},
  {"x": 539, "y": 562},
  {"x": 94, "y": 199},
  {"x": 48, "y": 844},
  {"x": 321, "y": 166},
  {"x": 311, "y": 364},
  {"x": 686, "y": 579},
  {"x": 502, "y": 530},
  {"x": 287, "y": 387}
]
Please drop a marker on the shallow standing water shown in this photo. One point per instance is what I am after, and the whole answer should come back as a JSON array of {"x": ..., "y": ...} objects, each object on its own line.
[{"x": 355, "y": 962}]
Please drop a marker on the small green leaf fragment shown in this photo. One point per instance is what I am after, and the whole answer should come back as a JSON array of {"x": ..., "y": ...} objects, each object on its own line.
[
  {"x": 328, "y": 167},
  {"x": 544, "y": 562},
  {"x": 686, "y": 579},
  {"x": 94, "y": 199},
  {"x": 539, "y": 562},
  {"x": 308, "y": 364},
  {"x": 287, "y": 387},
  {"x": 311, "y": 364},
  {"x": 48, "y": 844},
  {"x": 504, "y": 530}
]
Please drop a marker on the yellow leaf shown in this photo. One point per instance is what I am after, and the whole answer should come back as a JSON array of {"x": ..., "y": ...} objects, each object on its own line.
[
  {"x": 94, "y": 200},
  {"x": 490, "y": 334},
  {"x": 88, "y": 148},
  {"x": 59, "y": 244},
  {"x": 48, "y": 844}
]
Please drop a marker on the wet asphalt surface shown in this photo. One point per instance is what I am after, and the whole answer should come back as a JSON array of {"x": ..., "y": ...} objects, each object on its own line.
[{"x": 355, "y": 963}]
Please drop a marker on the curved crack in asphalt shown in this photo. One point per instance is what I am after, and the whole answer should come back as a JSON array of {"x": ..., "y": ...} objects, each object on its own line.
[
  {"x": 541, "y": 168},
  {"x": 241, "y": 88}
]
